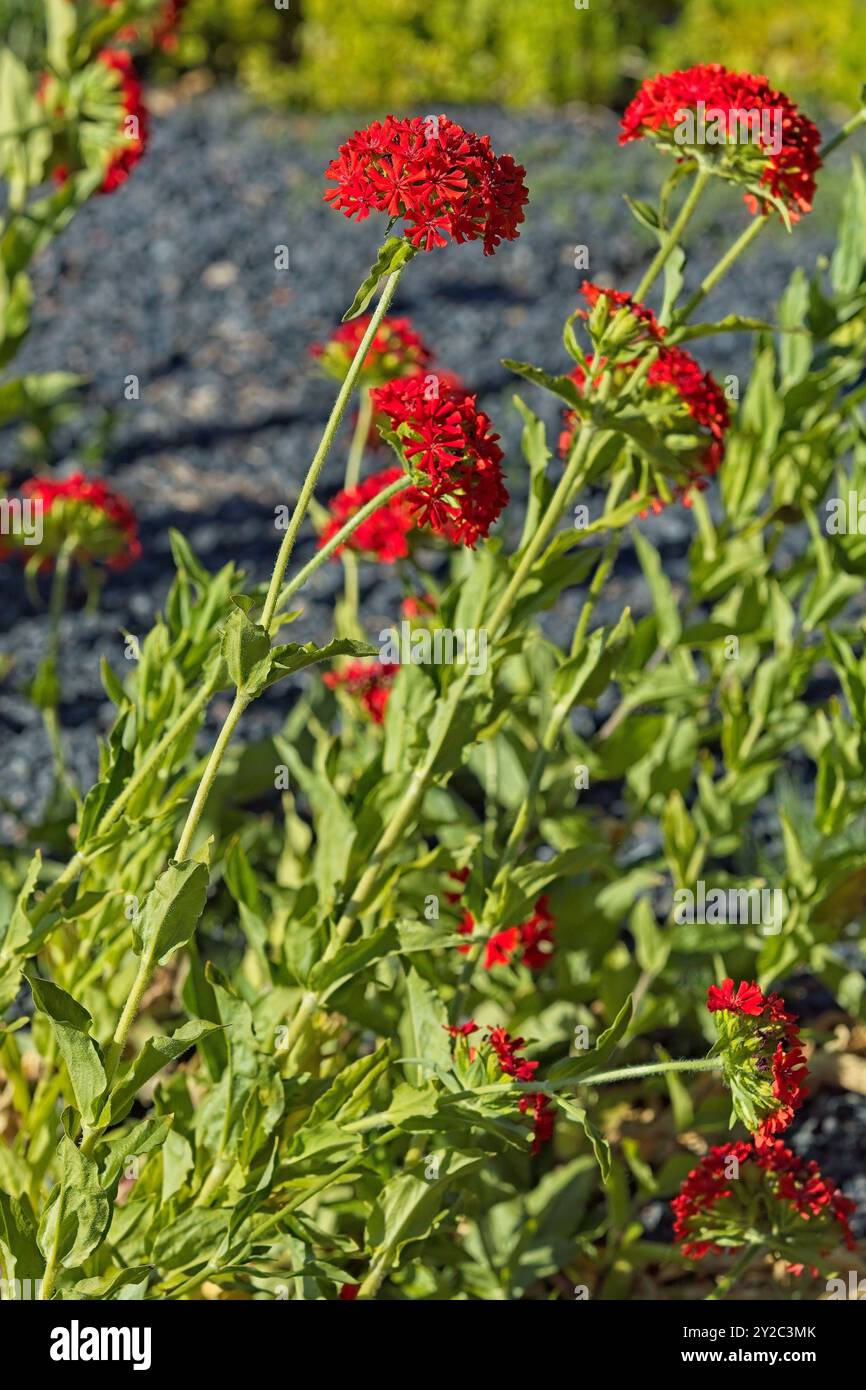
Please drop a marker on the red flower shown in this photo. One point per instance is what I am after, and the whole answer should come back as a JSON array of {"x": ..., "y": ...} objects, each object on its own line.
[
  {"x": 763, "y": 1061},
  {"x": 416, "y": 606},
  {"x": 445, "y": 436},
  {"x": 134, "y": 124},
  {"x": 500, "y": 947},
  {"x": 739, "y": 1189},
  {"x": 442, "y": 181},
  {"x": 396, "y": 350},
  {"x": 100, "y": 520},
  {"x": 734, "y": 101},
  {"x": 534, "y": 937},
  {"x": 543, "y": 1118},
  {"x": 165, "y": 30},
  {"x": 371, "y": 681},
  {"x": 383, "y": 535},
  {"x": 349, "y": 1292},
  {"x": 747, "y": 1000},
  {"x": 645, "y": 327},
  {"x": 536, "y": 1102},
  {"x": 674, "y": 379},
  {"x": 463, "y": 1030}
]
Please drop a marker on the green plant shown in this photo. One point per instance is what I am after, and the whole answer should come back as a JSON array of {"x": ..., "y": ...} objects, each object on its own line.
[{"x": 256, "y": 1032}]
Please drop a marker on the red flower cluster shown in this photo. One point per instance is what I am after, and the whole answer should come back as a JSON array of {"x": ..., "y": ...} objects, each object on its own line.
[
  {"x": 443, "y": 181},
  {"x": 371, "y": 681},
  {"x": 764, "y": 1063},
  {"x": 100, "y": 519},
  {"x": 534, "y": 1103},
  {"x": 533, "y": 938},
  {"x": 646, "y": 327},
  {"x": 134, "y": 124},
  {"x": 396, "y": 350},
  {"x": 165, "y": 30},
  {"x": 445, "y": 436},
  {"x": 673, "y": 377},
  {"x": 164, "y": 26},
  {"x": 384, "y": 534},
  {"x": 748, "y": 999},
  {"x": 740, "y": 99},
  {"x": 737, "y": 1188}
]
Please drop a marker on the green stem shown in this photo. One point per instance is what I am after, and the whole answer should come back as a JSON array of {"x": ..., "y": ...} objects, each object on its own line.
[
  {"x": 50, "y": 714},
  {"x": 378, "y": 1273},
  {"x": 672, "y": 239},
  {"x": 853, "y": 123},
  {"x": 740, "y": 1265},
  {"x": 721, "y": 268},
  {"x": 602, "y": 1078},
  {"x": 340, "y": 537},
  {"x": 209, "y": 776},
  {"x": 336, "y": 415},
  {"x": 155, "y": 758},
  {"x": 359, "y": 440}
]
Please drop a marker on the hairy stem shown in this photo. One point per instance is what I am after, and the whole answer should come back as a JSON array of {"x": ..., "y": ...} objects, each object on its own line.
[
  {"x": 674, "y": 236},
  {"x": 336, "y": 415}
]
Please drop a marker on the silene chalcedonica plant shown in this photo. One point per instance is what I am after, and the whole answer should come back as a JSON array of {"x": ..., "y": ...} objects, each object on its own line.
[{"x": 384, "y": 1038}]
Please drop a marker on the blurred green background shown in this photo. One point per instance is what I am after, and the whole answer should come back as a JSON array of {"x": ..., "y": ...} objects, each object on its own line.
[{"x": 331, "y": 55}]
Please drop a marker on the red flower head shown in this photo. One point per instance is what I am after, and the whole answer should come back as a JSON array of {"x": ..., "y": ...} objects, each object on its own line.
[
  {"x": 738, "y": 1190},
  {"x": 384, "y": 534},
  {"x": 532, "y": 938},
  {"x": 134, "y": 123},
  {"x": 535, "y": 1103},
  {"x": 370, "y": 681},
  {"x": 415, "y": 606},
  {"x": 442, "y": 181},
  {"x": 635, "y": 322},
  {"x": 85, "y": 513},
  {"x": 165, "y": 29},
  {"x": 763, "y": 1061},
  {"x": 456, "y": 458},
  {"x": 754, "y": 135},
  {"x": 689, "y": 410},
  {"x": 396, "y": 350}
]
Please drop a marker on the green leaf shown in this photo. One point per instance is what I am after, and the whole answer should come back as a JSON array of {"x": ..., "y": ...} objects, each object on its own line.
[
  {"x": 77, "y": 1211},
  {"x": 80, "y": 1052},
  {"x": 291, "y": 657},
  {"x": 394, "y": 253},
  {"x": 329, "y": 975},
  {"x": 246, "y": 651},
  {"x": 731, "y": 323},
  {"x": 156, "y": 1054},
  {"x": 846, "y": 267},
  {"x": 171, "y": 909},
  {"x": 410, "y": 1206},
  {"x": 423, "y": 1025},
  {"x": 537, "y": 455},
  {"x": 575, "y": 1067},
  {"x": 600, "y": 1146},
  {"x": 561, "y": 386},
  {"x": 150, "y": 1134},
  {"x": 18, "y": 929}
]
